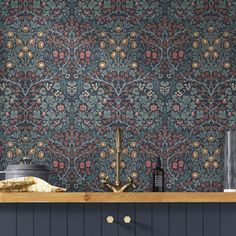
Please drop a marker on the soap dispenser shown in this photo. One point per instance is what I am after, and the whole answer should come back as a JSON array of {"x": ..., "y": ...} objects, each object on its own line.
[{"x": 158, "y": 177}]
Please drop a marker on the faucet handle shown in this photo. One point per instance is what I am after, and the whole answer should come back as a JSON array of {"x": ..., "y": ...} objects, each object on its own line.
[
  {"x": 104, "y": 181},
  {"x": 134, "y": 185},
  {"x": 131, "y": 181}
]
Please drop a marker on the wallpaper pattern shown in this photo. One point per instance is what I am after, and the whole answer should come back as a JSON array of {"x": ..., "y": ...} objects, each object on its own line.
[{"x": 163, "y": 71}]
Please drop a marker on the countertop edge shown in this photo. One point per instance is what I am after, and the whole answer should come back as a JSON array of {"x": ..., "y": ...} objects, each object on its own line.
[{"x": 126, "y": 197}]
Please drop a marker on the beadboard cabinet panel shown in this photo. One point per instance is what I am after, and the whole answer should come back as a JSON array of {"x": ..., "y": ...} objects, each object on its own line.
[
  {"x": 58, "y": 219},
  {"x": 126, "y": 229},
  {"x": 194, "y": 219},
  {"x": 8, "y": 219},
  {"x": 110, "y": 210},
  {"x": 212, "y": 219},
  {"x": 161, "y": 219},
  {"x": 147, "y": 219},
  {"x": 42, "y": 224},
  {"x": 143, "y": 221},
  {"x": 228, "y": 219},
  {"x": 25, "y": 219},
  {"x": 93, "y": 220},
  {"x": 76, "y": 219},
  {"x": 177, "y": 219}
]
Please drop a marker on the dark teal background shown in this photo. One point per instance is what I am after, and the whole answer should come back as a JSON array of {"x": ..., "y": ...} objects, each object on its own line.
[{"x": 71, "y": 72}]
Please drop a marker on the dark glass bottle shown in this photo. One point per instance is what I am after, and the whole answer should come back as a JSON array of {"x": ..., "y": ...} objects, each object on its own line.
[{"x": 158, "y": 178}]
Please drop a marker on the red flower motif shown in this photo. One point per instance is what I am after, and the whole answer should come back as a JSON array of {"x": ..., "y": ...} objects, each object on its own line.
[
  {"x": 181, "y": 54},
  {"x": 61, "y": 165},
  {"x": 154, "y": 165},
  {"x": 88, "y": 164},
  {"x": 88, "y": 53},
  {"x": 81, "y": 165},
  {"x": 148, "y": 53},
  {"x": 81, "y": 55},
  {"x": 55, "y": 164},
  {"x": 176, "y": 107},
  {"x": 179, "y": 122},
  {"x": 175, "y": 55},
  {"x": 181, "y": 164},
  {"x": 83, "y": 107},
  {"x": 154, "y": 107},
  {"x": 61, "y": 55},
  {"x": 55, "y": 54},
  {"x": 60, "y": 107},
  {"x": 148, "y": 164},
  {"x": 175, "y": 165},
  {"x": 154, "y": 55}
]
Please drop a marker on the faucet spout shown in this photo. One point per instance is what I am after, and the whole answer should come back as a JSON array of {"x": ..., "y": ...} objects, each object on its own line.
[{"x": 118, "y": 186}]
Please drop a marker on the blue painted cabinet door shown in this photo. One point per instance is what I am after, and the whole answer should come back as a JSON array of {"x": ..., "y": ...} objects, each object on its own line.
[
  {"x": 129, "y": 219},
  {"x": 42, "y": 221},
  {"x": 93, "y": 219},
  {"x": 8, "y": 219},
  {"x": 143, "y": 221},
  {"x": 127, "y": 228},
  {"x": 25, "y": 219},
  {"x": 108, "y": 227}
]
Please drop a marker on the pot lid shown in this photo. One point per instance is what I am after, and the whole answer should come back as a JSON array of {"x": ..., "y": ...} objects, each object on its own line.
[{"x": 25, "y": 165}]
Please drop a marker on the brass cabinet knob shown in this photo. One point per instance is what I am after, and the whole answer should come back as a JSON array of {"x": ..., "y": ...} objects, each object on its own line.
[
  {"x": 127, "y": 219},
  {"x": 110, "y": 219}
]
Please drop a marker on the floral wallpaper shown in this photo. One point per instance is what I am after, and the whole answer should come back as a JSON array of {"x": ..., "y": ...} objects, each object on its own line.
[{"x": 163, "y": 71}]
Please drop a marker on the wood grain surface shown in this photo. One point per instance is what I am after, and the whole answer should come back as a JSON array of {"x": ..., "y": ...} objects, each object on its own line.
[{"x": 105, "y": 197}]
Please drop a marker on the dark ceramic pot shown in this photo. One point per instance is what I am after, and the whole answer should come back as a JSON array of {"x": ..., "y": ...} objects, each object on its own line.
[{"x": 27, "y": 169}]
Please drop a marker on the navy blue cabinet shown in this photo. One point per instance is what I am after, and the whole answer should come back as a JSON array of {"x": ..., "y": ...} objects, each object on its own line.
[{"x": 146, "y": 219}]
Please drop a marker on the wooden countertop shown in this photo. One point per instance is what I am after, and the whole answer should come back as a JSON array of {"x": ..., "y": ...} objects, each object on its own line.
[{"x": 105, "y": 197}]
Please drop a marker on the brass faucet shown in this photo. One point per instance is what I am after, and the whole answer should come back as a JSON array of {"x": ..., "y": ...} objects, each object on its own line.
[{"x": 118, "y": 187}]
